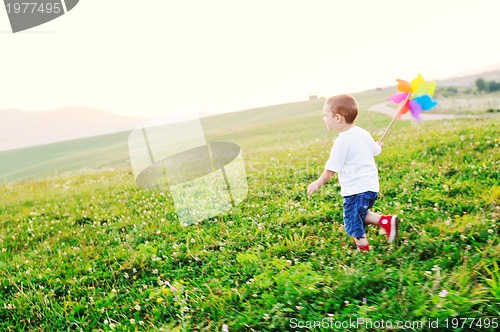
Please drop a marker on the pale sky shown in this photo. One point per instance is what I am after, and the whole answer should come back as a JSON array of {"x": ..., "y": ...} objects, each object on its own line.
[{"x": 154, "y": 57}]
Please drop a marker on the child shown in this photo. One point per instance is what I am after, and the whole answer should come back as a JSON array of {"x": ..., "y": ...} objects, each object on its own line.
[{"x": 352, "y": 158}]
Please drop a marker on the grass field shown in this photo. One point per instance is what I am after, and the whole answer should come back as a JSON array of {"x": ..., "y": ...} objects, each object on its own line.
[{"x": 88, "y": 250}]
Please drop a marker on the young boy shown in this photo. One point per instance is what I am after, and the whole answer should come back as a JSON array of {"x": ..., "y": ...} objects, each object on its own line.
[{"x": 352, "y": 158}]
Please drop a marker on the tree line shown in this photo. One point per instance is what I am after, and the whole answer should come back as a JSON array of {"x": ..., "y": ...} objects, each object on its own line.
[{"x": 487, "y": 86}]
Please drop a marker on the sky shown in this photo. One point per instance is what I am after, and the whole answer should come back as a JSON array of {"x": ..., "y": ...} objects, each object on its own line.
[{"x": 155, "y": 57}]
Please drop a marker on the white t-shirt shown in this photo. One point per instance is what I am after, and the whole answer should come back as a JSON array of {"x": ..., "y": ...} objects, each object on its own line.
[{"x": 352, "y": 158}]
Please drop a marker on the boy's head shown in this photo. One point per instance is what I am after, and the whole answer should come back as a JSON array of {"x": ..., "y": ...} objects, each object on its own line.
[{"x": 344, "y": 105}]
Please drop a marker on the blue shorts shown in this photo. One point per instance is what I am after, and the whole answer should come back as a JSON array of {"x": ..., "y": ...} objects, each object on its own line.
[{"x": 355, "y": 210}]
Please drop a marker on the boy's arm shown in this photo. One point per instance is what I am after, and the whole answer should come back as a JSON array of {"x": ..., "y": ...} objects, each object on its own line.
[{"x": 324, "y": 178}]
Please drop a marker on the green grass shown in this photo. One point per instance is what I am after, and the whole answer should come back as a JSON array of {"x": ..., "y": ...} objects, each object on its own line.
[
  {"x": 90, "y": 251},
  {"x": 87, "y": 154}
]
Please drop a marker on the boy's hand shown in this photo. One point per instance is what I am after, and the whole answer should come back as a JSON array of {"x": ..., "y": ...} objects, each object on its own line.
[
  {"x": 313, "y": 187},
  {"x": 381, "y": 144}
]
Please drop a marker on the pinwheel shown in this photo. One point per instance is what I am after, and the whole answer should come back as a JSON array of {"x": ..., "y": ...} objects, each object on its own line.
[{"x": 414, "y": 97}]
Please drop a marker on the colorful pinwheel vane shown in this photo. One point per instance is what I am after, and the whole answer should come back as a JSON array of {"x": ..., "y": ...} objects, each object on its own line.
[{"x": 417, "y": 96}]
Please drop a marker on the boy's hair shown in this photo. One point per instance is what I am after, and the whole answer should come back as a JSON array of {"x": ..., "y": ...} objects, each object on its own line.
[{"x": 344, "y": 105}]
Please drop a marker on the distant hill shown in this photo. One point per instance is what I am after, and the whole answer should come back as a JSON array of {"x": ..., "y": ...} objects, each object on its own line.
[
  {"x": 470, "y": 79},
  {"x": 20, "y": 129}
]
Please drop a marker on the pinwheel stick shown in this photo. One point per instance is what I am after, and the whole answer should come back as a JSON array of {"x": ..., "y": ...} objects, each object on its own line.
[{"x": 401, "y": 105}]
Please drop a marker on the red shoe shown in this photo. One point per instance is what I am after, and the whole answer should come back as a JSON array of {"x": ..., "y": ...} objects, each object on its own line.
[
  {"x": 390, "y": 224},
  {"x": 366, "y": 247}
]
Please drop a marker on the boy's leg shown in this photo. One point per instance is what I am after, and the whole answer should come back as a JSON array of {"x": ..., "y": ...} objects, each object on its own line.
[
  {"x": 362, "y": 243},
  {"x": 372, "y": 218},
  {"x": 389, "y": 224},
  {"x": 355, "y": 210}
]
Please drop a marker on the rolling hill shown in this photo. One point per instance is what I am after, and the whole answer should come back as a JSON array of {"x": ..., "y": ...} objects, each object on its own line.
[
  {"x": 19, "y": 129},
  {"x": 91, "y": 251},
  {"x": 111, "y": 150}
]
